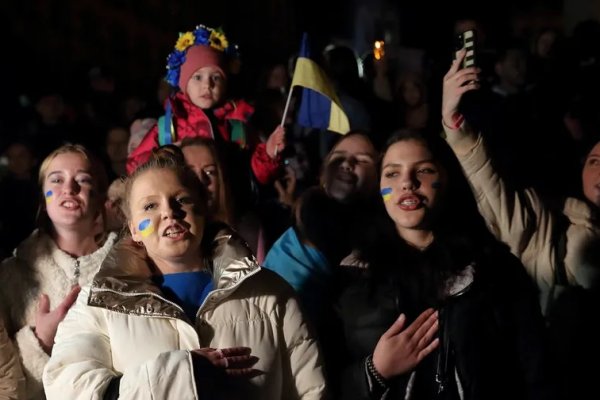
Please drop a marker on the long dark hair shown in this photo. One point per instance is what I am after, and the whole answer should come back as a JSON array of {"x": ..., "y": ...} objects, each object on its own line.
[{"x": 461, "y": 236}]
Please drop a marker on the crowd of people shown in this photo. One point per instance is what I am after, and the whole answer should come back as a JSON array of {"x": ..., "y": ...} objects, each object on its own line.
[{"x": 203, "y": 245}]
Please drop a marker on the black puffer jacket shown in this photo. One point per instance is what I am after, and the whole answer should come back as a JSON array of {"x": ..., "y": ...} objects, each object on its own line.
[{"x": 491, "y": 335}]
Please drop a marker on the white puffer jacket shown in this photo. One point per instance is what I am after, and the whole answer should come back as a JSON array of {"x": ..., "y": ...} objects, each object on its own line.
[
  {"x": 38, "y": 267},
  {"x": 123, "y": 326}
]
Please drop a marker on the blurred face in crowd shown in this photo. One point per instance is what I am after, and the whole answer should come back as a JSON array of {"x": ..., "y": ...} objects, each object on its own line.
[
  {"x": 206, "y": 87},
  {"x": 350, "y": 169},
  {"x": 513, "y": 69},
  {"x": 166, "y": 216},
  {"x": 466, "y": 24},
  {"x": 114, "y": 216},
  {"x": 50, "y": 108},
  {"x": 300, "y": 162},
  {"x": 411, "y": 184},
  {"x": 20, "y": 160},
  {"x": 591, "y": 176},
  {"x": 278, "y": 77},
  {"x": 70, "y": 190},
  {"x": 132, "y": 106},
  {"x": 200, "y": 159},
  {"x": 117, "y": 140},
  {"x": 411, "y": 93},
  {"x": 545, "y": 43}
]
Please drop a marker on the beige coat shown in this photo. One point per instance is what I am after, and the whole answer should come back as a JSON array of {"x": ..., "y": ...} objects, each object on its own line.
[
  {"x": 12, "y": 381},
  {"x": 123, "y": 326},
  {"x": 38, "y": 266},
  {"x": 523, "y": 221}
]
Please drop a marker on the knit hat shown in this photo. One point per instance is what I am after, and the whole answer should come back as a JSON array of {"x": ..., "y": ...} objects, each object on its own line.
[
  {"x": 195, "y": 49},
  {"x": 198, "y": 57}
]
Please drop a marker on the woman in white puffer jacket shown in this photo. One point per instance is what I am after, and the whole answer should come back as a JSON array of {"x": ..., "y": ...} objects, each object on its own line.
[{"x": 177, "y": 286}]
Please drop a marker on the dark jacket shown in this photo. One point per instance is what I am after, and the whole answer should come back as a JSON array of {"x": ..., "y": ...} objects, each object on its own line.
[{"x": 491, "y": 334}]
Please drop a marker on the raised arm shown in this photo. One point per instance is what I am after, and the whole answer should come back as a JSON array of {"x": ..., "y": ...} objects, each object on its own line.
[{"x": 516, "y": 217}]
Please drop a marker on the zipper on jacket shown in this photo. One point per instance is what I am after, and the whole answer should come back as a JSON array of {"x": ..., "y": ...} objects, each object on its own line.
[
  {"x": 76, "y": 272},
  {"x": 212, "y": 132},
  {"x": 152, "y": 294},
  {"x": 441, "y": 373}
]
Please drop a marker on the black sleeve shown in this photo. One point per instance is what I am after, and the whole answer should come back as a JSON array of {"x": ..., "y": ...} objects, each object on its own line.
[
  {"x": 112, "y": 391},
  {"x": 357, "y": 385},
  {"x": 323, "y": 222},
  {"x": 208, "y": 377},
  {"x": 529, "y": 332}
]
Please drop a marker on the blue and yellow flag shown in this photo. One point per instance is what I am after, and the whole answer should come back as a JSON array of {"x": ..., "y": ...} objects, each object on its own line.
[{"x": 320, "y": 106}]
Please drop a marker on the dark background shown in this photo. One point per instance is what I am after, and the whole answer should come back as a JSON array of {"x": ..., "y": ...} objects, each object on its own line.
[{"x": 57, "y": 42}]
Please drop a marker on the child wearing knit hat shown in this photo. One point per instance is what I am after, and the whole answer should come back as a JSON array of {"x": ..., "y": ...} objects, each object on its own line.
[{"x": 197, "y": 69}]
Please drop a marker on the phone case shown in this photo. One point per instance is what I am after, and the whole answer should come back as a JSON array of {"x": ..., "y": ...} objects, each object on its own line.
[{"x": 466, "y": 40}]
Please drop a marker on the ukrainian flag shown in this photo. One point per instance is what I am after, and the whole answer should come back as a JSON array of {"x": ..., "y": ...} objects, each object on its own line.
[{"x": 320, "y": 106}]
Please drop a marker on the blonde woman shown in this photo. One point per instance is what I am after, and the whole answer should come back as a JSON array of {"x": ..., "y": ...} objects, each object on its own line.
[{"x": 40, "y": 282}]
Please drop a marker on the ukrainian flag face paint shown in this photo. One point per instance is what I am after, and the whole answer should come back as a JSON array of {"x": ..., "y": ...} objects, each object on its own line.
[
  {"x": 412, "y": 176},
  {"x": 69, "y": 190},
  {"x": 386, "y": 193},
  {"x": 166, "y": 216},
  {"x": 146, "y": 228}
]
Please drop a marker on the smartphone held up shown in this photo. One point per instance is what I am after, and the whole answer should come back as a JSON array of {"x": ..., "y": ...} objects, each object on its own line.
[{"x": 467, "y": 40}]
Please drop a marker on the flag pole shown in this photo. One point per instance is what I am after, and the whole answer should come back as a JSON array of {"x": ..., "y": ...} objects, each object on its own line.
[
  {"x": 287, "y": 106},
  {"x": 285, "y": 111}
]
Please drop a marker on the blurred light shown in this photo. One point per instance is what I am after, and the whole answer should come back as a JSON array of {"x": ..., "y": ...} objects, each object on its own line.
[{"x": 378, "y": 49}]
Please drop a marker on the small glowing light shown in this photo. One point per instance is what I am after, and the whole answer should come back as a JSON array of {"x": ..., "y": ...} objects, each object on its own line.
[{"x": 378, "y": 50}]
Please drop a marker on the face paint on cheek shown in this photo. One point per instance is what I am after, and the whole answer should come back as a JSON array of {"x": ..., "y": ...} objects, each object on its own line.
[
  {"x": 386, "y": 193},
  {"x": 436, "y": 185},
  {"x": 146, "y": 228},
  {"x": 48, "y": 195}
]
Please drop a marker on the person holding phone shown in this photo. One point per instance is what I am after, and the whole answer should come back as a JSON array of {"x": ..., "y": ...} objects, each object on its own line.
[
  {"x": 557, "y": 243},
  {"x": 521, "y": 218}
]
